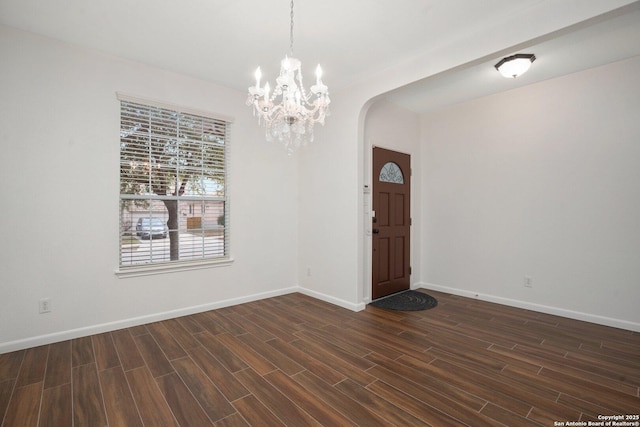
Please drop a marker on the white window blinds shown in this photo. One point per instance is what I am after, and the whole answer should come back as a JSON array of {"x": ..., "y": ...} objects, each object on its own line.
[{"x": 173, "y": 185}]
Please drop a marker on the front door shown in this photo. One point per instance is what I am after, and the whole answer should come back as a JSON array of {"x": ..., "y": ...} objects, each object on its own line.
[{"x": 391, "y": 222}]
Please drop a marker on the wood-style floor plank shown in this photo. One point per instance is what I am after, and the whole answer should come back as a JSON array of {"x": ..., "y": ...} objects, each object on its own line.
[
  {"x": 227, "y": 324},
  {"x": 153, "y": 355},
  {"x": 57, "y": 407},
  {"x": 218, "y": 374},
  {"x": 411, "y": 405},
  {"x": 422, "y": 385},
  {"x": 33, "y": 366},
  {"x": 58, "y": 365},
  {"x": 128, "y": 352},
  {"x": 379, "y": 405},
  {"x": 256, "y": 414},
  {"x": 151, "y": 404},
  {"x": 251, "y": 357},
  {"x": 343, "y": 366},
  {"x": 88, "y": 408},
  {"x": 235, "y": 420},
  {"x": 282, "y": 407},
  {"x": 276, "y": 328},
  {"x": 506, "y": 417},
  {"x": 215, "y": 405},
  {"x": 315, "y": 366},
  {"x": 250, "y": 327},
  {"x": 10, "y": 365},
  {"x": 105, "y": 351},
  {"x": 276, "y": 358},
  {"x": 357, "y": 413},
  {"x": 230, "y": 360},
  {"x": 305, "y": 400},
  {"x": 293, "y": 361},
  {"x": 575, "y": 368},
  {"x": 182, "y": 403},
  {"x": 82, "y": 351},
  {"x": 120, "y": 406},
  {"x": 209, "y": 324},
  {"x": 6, "y": 390},
  {"x": 170, "y": 347},
  {"x": 180, "y": 334},
  {"x": 24, "y": 408}
]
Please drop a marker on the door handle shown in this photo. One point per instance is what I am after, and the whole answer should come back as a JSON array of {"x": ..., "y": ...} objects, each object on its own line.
[{"x": 375, "y": 231}]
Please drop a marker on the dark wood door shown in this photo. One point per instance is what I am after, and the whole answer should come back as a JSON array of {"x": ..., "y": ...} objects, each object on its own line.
[{"x": 391, "y": 223}]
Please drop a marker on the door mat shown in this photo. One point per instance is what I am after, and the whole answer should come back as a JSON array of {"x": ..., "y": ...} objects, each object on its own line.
[{"x": 406, "y": 301}]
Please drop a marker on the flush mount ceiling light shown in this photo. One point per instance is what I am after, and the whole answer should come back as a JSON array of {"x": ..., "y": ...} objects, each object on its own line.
[
  {"x": 515, "y": 65},
  {"x": 289, "y": 112}
]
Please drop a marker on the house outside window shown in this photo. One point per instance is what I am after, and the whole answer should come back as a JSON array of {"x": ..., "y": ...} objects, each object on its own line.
[{"x": 174, "y": 206}]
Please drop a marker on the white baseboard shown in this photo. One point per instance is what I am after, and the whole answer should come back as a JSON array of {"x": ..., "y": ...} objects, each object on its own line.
[
  {"x": 332, "y": 300},
  {"x": 558, "y": 311},
  {"x": 136, "y": 321},
  {"x": 141, "y": 320}
]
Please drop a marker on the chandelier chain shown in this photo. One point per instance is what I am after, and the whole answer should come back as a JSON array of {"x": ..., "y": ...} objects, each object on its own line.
[{"x": 291, "y": 31}]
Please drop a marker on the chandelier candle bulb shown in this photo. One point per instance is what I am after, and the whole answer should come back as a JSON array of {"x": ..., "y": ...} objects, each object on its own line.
[
  {"x": 258, "y": 77},
  {"x": 318, "y": 75}
]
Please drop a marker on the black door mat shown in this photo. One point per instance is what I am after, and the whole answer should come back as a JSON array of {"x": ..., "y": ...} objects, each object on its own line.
[{"x": 406, "y": 301}]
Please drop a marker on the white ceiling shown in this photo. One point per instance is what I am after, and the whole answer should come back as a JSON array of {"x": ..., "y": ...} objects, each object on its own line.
[
  {"x": 602, "y": 40},
  {"x": 223, "y": 41}
]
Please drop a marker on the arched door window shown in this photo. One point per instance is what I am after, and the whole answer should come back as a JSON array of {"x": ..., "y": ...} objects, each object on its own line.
[{"x": 390, "y": 172}]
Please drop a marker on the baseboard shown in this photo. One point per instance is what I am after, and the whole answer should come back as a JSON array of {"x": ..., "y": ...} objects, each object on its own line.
[
  {"x": 332, "y": 300},
  {"x": 557, "y": 311},
  {"x": 136, "y": 321}
]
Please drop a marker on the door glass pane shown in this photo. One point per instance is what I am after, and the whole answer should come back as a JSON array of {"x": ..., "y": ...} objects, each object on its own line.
[{"x": 390, "y": 172}]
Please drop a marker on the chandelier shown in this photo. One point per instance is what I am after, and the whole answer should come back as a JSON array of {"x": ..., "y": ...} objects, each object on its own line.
[{"x": 289, "y": 112}]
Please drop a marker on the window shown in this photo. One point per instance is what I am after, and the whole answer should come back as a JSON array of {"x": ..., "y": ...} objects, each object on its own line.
[
  {"x": 173, "y": 185},
  {"x": 391, "y": 172}
]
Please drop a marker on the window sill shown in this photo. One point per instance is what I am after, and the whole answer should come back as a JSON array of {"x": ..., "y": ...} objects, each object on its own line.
[{"x": 148, "y": 270}]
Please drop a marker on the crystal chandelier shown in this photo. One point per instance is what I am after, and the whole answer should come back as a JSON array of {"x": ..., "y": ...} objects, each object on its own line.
[{"x": 289, "y": 112}]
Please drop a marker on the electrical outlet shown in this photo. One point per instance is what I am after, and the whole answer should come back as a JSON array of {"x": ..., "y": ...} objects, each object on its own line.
[
  {"x": 45, "y": 305},
  {"x": 308, "y": 271},
  {"x": 528, "y": 282}
]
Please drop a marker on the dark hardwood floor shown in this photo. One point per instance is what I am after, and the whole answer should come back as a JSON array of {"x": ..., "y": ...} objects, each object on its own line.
[{"x": 297, "y": 361}]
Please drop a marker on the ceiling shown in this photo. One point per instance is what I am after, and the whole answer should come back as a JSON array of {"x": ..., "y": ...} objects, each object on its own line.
[
  {"x": 223, "y": 41},
  {"x": 602, "y": 40}
]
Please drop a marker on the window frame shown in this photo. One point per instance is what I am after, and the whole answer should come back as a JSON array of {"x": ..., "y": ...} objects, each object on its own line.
[{"x": 151, "y": 268}]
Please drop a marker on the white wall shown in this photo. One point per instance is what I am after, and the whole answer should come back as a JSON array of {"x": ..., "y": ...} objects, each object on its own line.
[
  {"x": 542, "y": 181},
  {"x": 59, "y": 133},
  {"x": 333, "y": 170},
  {"x": 328, "y": 228},
  {"x": 395, "y": 128}
]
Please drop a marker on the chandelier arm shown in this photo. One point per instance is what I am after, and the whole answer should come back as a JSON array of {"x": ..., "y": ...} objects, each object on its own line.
[
  {"x": 273, "y": 113},
  {"x": 317, "y": 113}
]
